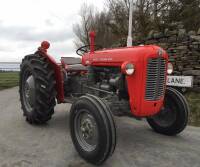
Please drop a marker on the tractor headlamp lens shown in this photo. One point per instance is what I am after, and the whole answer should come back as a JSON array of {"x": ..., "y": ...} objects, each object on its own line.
[
  {"x": 169, "y": 68},
  {"x": 129, "y": 69}
]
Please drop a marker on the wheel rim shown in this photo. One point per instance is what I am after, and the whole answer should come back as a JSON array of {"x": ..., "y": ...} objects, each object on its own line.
[
  {"x": 167, "y": 115},
  {"x": 29, "y": 92},
  {"x": 86, "y": 130}
]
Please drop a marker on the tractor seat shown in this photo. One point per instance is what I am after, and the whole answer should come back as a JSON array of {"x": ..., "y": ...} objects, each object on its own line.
[
  {"x": 73, "y": 64},
  {"x": 70, "y": 60},
  {"x": 76, "y": 67}
]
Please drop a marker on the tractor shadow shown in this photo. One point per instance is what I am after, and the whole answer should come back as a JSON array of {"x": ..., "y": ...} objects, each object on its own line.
[
  {"x": 131, "y": 133},
  {"x": 60, "y": 119},
  {"x": 137, "y": 143}
]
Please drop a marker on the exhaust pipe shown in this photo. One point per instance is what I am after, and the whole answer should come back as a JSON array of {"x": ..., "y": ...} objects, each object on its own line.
[{"x": 129, "y": 38}]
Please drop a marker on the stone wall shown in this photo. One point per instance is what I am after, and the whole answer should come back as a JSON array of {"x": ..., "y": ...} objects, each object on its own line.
[{"x": 183, "y": 49}]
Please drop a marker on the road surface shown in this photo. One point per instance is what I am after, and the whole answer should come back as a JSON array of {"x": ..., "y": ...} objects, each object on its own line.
[{"x": 50, "y": 145}]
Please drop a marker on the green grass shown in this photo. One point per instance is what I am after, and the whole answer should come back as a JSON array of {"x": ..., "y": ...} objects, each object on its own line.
[
  {"x": 9, "y": 79},
  {"x": 193, "y": 99}
]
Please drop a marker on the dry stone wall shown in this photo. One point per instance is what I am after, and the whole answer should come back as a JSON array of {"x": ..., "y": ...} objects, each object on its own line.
[{"x": 183, "y": 49}]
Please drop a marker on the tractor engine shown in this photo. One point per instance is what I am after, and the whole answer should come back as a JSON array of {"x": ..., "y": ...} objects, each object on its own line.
[{"x": 105, "y": 82}]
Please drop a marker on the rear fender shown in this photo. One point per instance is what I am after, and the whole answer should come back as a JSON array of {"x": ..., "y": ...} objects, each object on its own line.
[{"x": 58, "y": 74}]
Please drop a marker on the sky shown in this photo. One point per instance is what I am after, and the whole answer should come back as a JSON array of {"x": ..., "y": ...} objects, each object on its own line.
[{"x": 25, "y": 23}]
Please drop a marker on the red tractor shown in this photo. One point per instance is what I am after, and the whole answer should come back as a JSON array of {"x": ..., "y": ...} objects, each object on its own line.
[{"x": 128, "y": 81}]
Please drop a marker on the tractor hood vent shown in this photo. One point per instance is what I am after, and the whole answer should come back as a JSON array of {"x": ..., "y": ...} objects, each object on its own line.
[{"x": 155, "y": 82}]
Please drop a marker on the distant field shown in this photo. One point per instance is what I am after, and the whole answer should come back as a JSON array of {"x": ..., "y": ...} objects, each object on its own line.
[{"x": 9, "y": 79}]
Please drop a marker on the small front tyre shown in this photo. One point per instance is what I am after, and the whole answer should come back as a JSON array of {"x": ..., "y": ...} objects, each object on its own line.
[
  {"x": 173, "y": 118},
  {"x": 92, "y": 129}
]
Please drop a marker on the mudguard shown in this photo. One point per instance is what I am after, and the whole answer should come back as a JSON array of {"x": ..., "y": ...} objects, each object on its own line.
[{"x": 57, "y": 69}]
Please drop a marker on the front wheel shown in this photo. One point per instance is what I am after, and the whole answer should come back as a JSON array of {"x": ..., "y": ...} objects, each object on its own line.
[
  {"x": 173, "y": 118},
  {"x": 92, "y": 129}
]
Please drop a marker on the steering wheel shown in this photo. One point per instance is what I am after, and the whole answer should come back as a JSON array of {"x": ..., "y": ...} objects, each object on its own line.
[{"x": 85, "y": 49}]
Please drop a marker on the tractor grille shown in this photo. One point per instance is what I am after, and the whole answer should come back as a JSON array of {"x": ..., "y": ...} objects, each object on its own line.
[{"x": 155, "y": 83}]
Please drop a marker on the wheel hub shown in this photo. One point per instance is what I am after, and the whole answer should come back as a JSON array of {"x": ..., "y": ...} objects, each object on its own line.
[
  {"x": 86, "y": 130},
  {"x": 29, "y": 92}
]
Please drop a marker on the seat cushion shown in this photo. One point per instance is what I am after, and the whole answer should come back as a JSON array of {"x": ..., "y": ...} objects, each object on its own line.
[
  {"x": 71, "y": 60},
  {"x": 76, "y": 67}
]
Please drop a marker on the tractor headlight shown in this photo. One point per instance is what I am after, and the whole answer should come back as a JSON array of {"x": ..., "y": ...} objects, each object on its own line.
[
  {"x": 128, "y": 68},
  {"x": 169, "y": 68}
]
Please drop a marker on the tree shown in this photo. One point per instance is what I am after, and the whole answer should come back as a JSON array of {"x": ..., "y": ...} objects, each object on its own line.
[
  {"x": 90, "y": 21},
  {"x": 87, "y": 23},
  {"x": 190, "y": 14},
  {"x": 111, "y": 25},
  {"x": 119, "y": 10}
]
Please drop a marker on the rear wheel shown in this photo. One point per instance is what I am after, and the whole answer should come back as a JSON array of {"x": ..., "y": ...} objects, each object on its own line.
[
  {"x": 37, "y": 89},
  {"x": 92, "y": 129},
  {"x": 173, "y": 118}
]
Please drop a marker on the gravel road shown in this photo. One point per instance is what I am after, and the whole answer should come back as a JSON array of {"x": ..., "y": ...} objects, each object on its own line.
[{"x": 50, "y": 145}]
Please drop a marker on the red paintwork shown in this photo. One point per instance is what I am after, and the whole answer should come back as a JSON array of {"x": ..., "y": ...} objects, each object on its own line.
[
  {"x": 57, "y": 69},
  {"x": 123, "y": 67},
  {"x": 116, "y": 58},
  {"x": 63, "y": 64},
  {"x": 45, "y": 45},
  {"x": 136, "y": 82}
]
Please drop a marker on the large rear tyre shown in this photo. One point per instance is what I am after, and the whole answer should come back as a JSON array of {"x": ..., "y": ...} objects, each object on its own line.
[
  {"x": 37, "y": 89},
  {"x": 92, "y": 129},
  {"x": 173, "y": 118}
]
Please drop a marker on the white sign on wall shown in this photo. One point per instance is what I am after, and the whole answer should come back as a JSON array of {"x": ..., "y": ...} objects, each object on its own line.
[{"x": 180, "y": 81}]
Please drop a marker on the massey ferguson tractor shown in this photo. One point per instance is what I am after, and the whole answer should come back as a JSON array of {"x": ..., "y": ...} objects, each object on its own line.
[{"x": 101, "y": 84}]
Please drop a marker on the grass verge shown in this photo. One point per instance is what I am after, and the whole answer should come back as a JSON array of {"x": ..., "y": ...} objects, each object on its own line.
[
  {"x": 9, "y": 79},
  {"x": 193, "y": 99}
]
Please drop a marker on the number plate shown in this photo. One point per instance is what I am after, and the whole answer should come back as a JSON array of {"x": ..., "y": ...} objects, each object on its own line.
[{"x": 180, "y": 81}]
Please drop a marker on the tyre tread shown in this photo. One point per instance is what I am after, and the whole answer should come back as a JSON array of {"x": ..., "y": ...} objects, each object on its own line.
[{"x": 45, "y": 101}]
